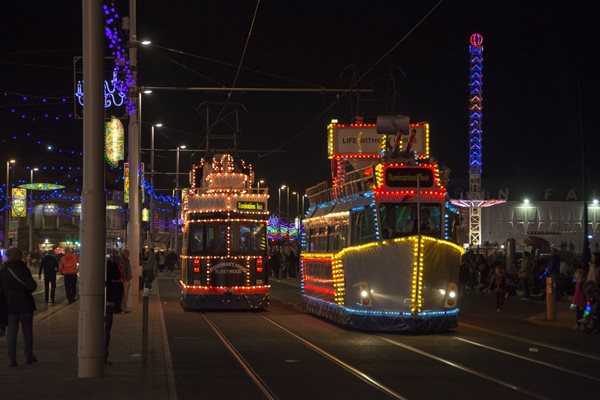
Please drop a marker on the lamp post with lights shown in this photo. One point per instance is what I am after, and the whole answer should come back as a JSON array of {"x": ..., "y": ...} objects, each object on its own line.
[
  {"x": 152, "y": 233},
  {"x": 7, "y": 205},
  {"x": 177, "y": 196},
  {"x": 32, "y": 170}
]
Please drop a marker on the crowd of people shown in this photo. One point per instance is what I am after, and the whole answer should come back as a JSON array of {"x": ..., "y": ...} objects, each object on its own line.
[
  {"x": 284, "y": 263},
  {"x": 572, "y": 280}
]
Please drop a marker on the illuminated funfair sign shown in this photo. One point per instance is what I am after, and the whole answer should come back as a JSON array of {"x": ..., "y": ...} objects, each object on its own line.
[
  {"x": 19, "y": 202},
  {"x": 280, "y": 230},
  {"x": 114, "y": 141},
  {"x": 41, "y": 186}
]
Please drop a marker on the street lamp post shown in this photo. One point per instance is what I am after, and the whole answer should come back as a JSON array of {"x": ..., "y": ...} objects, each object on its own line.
[
  {"x": 151, "y": 219},
  {"x": 297, "y": 203},
  {"x": 7, "y": 205},
  {"x": 302, "y": 213},
  {"x": 259, "y": 183},
  {"x": 31, "y": 213},
  {"x": 279, "y": 199},
  {"x": 177, "y": 196},
  {"x": 287, "y": 213}
]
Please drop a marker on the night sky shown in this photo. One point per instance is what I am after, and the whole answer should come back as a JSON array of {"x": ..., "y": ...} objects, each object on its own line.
[{"x": 541, "y": 80}]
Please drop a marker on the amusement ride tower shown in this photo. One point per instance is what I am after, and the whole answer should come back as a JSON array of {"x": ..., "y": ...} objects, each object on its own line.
[{"x": 475, "y": 198}]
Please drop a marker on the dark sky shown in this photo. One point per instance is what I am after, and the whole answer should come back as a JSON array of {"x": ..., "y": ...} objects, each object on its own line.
[{"x": 538, "y": 56}]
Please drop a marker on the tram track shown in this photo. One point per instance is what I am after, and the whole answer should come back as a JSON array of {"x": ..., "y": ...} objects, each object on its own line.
[
  {"x": 532, "y": 342},
  {"x": 264, "y": 387}
]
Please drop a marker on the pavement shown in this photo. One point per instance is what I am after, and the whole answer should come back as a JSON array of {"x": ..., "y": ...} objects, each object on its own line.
[{"x": 54, "y": 376}]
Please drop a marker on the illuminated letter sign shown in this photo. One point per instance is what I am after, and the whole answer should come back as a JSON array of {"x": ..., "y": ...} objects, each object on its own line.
[
  {"x": 404, "y": 177},
  {"x": 250, "y": 206},
  {"x": 19, "y": 202}
]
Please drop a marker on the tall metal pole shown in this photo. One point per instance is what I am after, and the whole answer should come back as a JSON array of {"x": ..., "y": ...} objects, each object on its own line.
[
  {"x": 30, "y": 216},
  {"x": 93, "y": 199},
  {"x": 176, "y": 208},
  {"x": 7, "y": 205},
  {"x": 152, "y": 234},
  {"x": 287, "y": 212},
  {"x": 133, "y": 227}
]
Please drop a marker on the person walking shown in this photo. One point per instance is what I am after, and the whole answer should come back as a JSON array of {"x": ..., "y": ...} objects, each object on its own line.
[
  {"x": 49, "y": 267},
  {"x": 499, "y": 286},
  {"x": 579, "y": 302},
  {"x": 69, "y": 267},
  {"x": 113, "y": 276},
  {"x": 18, "y": 285},
  {"x": 149, "y": 264},
  {"x": 126, "y": 281},
  {"x": 525, "y": 274}
]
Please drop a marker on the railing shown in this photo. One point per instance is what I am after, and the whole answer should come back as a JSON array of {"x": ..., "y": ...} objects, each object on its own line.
[{"x": 357, "y": 181}]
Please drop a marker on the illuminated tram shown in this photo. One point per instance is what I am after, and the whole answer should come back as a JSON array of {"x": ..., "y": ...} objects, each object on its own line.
[
  {"x": 376, "y": 249},
  {"x": 224, "y": 238}
]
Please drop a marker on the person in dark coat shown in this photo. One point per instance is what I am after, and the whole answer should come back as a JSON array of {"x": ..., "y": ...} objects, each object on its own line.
[
  {"x": 113, "y": 297},
  {"x": 18, "y": 285},
  {"x": 49, "y": 267}
]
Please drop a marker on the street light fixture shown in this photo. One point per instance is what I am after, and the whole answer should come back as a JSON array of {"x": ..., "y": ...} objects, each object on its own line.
[
  {"x": 183, "y": 146},
  {"x": 7, "y": 205},
  {"x": 30, "y": 218},
  {"x": 152, "y": 233},
  {"x": 279, "y": 199},
  {"x": 259, "y": 183},
  {"x": 297, "y": 203},
  {"x": 146, "y": 42}
]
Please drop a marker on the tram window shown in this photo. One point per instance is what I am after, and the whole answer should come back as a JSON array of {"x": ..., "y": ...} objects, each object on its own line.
[
  {"x": 248, "y": 239},
  {"x": 399, "y": 220},
  {"x": 197, "y": 239},
  {"x": 363, "y": 227}
]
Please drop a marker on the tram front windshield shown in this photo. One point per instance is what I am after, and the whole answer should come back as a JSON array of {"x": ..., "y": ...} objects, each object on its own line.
[
  {"x": 211, "y": 239},
  {"x": 398, "y": 220}
]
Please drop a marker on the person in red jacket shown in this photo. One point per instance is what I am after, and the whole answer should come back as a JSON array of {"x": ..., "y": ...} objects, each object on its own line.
[{"x": 69, "y": 267}]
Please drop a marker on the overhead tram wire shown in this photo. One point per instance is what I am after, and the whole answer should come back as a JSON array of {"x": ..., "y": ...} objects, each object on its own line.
[
  {"x": 339, "y": 97},
  {"x": 189, "y": 69},
  {"x": 256, "y": 71},
  {"x": 237, "y": 73}
]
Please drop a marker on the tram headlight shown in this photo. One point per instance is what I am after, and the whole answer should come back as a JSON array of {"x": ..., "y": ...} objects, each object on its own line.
[
  {"x": 442, "y": 292},
  {"x": 451, "y": 298},
  {"x": 364, "y": 294}
]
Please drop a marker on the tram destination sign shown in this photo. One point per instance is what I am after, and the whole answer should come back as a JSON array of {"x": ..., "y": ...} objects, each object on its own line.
[
  {"x": 251, "y": 206},
  {"x": 407, "y": 177}
]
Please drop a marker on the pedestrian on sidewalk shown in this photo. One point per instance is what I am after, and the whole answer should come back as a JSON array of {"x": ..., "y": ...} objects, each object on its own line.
[
  {"x": 17, "y": 284},
  {"x": 126, "y": 281},
  {"x": 149, "y": 264},
  {"x": 3, "y": 313},
  {"x": 69, "y": 267},
  {"x": 499, "y": 286},
  {"x": 579, "y": 301},
  {"x": 112, "y": 298},
  {"x": 49, "y": 267},
  {"x": 525, "y": 274},
  {"x": 117, "y": 282}
]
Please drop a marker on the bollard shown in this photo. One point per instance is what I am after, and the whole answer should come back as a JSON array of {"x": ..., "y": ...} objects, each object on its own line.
[
  {"x": 550, "y": 299},
  {"x": 145, "y": 325}
]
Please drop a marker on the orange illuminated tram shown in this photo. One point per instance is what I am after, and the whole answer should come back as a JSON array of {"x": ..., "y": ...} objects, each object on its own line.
[{"x": 224, "y": 246}]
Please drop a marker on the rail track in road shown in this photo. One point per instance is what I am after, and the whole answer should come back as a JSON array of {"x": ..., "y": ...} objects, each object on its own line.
[{"x": 473, "y": 360}]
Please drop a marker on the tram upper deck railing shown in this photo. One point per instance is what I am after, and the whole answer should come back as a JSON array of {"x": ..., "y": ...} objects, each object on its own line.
[
  {"x": 354, "y": 182},
  {"x": 225, "y": 190}
]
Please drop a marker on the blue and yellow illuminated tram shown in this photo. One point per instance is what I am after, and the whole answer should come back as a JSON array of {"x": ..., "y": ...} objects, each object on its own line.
[
  {"x": 376, "y": 254},
  {"x": 224, "y": 238}
]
